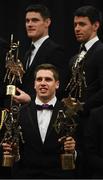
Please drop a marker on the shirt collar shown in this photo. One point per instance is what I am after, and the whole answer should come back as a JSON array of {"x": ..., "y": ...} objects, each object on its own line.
[
  {"x": 51, "y": 102},
  {"x": 90, "y": 43},
  {"x": 38, "y": 43}
]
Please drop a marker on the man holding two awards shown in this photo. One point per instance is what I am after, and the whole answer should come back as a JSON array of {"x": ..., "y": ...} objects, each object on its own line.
[{"x": 40, "y": 155}]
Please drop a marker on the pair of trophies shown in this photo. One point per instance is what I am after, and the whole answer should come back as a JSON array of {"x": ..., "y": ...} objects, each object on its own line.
[{"x": 65, "y": 120}]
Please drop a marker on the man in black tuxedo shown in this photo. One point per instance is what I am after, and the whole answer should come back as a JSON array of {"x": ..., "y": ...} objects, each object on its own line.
[
  {"x": 87, "y": 25},
  {"x": 40, "y": 153},
  {"x": 42, "y": 50},
  {"x": 94, "y": 143},
  {"x": 86, "y": 83}
]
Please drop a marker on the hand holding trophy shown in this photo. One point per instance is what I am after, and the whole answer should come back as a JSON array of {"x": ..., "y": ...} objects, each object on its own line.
[
  {"x": 65, "y": 126},
  {"x": 65, "y": 122},
  {"x": 9, "y": 117}
]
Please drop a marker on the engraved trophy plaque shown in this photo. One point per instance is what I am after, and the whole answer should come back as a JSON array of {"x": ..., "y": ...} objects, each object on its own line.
[{"x": 11, "y": 90}]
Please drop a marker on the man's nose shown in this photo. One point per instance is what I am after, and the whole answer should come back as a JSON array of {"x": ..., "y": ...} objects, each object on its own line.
[
  {"x": 43, "y": 81},
  {"x": 77, "y": 27},
  {"x": 29, "y": 23}
]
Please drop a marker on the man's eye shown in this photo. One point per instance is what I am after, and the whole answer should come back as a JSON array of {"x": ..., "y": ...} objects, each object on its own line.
[
  {"x": 82, "y": 24},
  {"x": 45, "y": 79},
  {"x": 27, "y": 20},
  {"x": 48, "y": 79},
  {"x": 39, "y": 79},
  {"x": 35, "y": 20}
]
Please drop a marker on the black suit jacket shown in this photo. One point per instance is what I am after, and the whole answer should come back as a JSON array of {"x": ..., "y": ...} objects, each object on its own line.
[
  {"x": 93, "y": 67},
  {"x": 49, "y": 52},
  {"x": 92, "y": 95},
  {"x": 39, "y": 160},
  {"x": 94, "y": 143}
]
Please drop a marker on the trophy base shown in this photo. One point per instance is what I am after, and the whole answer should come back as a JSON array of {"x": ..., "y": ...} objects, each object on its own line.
[
  {"x": 8, "y": 160},
  {"x": 67, "y": 160}
]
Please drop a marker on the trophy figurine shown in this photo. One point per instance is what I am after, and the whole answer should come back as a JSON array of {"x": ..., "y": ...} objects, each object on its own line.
[
  {"x": 9, "y": 117},
  {"x": 65, "y": 126},
  {"x": 66, "y": 118},
  {"x": 14, "y": 68},
  {"x": 68, "y": 158}
]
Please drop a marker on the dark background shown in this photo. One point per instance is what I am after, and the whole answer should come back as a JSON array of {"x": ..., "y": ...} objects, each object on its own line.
[{"x": 12, "y": 21}]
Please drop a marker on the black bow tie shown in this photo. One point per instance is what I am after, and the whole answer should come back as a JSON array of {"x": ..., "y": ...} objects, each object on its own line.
[{"x": 44, "y": 106}]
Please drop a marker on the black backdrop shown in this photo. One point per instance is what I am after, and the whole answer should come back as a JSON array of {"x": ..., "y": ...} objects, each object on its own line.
[{"x": 12, "y": 20}]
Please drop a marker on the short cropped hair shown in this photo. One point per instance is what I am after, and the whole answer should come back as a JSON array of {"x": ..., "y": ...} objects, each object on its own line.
[
  {"x": 91, "y": 12},
  {"x": 50, "y": 67},
  {"x": 40, "y": 8}
]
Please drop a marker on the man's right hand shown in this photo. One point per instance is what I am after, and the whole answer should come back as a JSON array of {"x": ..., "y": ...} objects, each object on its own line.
[
  {"x": 22, "y": 98},
  {"x": 7, "y": 149}
]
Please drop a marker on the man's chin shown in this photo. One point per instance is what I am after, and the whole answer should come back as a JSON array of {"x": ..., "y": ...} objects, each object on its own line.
[{"x": 44, "y": 96}]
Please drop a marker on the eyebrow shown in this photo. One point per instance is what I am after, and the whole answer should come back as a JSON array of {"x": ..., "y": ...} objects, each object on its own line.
[{"x": 46, "y": 78}]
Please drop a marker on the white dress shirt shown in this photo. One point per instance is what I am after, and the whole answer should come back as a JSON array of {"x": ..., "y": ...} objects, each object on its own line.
[
  {"x": 43, "y": 117},
  {"x": 37, "y": 45},
  {"x": 90, "y": 43}
]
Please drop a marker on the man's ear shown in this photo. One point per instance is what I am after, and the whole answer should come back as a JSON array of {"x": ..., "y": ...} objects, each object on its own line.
[
  {"x": 48, "y": 22},
  {"x": 34, "y": 84},
  {"x": 96, "y": 25},
  {"x": 57, "y": 84}
]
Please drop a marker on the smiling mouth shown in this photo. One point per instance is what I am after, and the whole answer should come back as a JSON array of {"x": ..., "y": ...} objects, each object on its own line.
[
  {"x": 43, "y": 90},
  {"x": 78, "y": 35}
]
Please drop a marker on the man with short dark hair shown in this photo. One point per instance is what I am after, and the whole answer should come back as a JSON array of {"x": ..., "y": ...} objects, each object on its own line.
[
  {"x": 87, "y": 25},
  {"x": 40, "y": 153},
  {"x": 42, "y": 50},
  {"x": 86, "y": 83}
]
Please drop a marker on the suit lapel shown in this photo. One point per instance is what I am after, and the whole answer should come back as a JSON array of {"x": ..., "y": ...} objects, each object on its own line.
[
  {"x": 25, "y": 60},
  {"x": 32, "y": 113},
  {"x": 57, "y": 107},
  {"x": 39, "y": 55},
  {"x": 93, "y": 48}
]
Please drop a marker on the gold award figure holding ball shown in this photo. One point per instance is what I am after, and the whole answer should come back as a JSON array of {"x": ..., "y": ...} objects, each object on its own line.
[
  {"x": 65, "y": 126},
  {"x": 9, "y": 117},
  {"x": 14, "y": 68}
]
